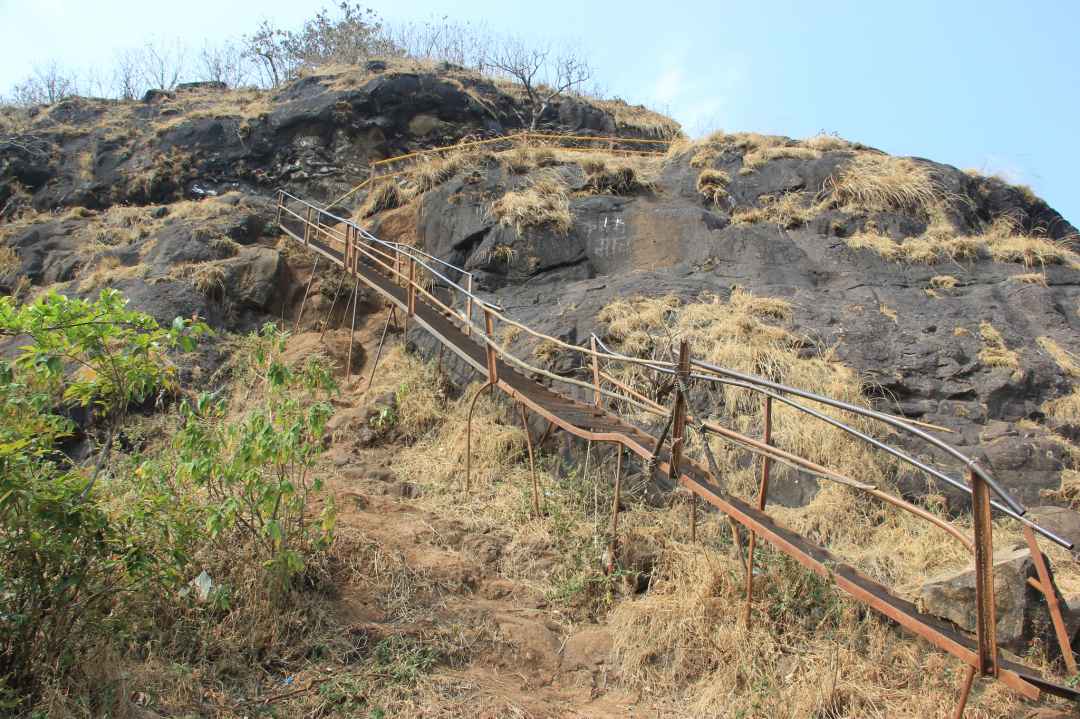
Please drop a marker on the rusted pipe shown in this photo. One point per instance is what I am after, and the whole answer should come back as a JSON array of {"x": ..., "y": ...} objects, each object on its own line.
[
  {"x": 468, "y": 437},
  {"x": 532, "y": 462}
]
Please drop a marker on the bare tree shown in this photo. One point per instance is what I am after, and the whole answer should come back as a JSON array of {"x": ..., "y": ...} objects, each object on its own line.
[
  {"x": 127, "y": 78},
  {"x": 46, "y": 85},
  {"x": 543, "y": 74},
  {"x": 267, "y": 47},
  {"x": 163, "y": 64},
  {"x": 444, "y": 40},
  {"x": 224, "y": 63}
]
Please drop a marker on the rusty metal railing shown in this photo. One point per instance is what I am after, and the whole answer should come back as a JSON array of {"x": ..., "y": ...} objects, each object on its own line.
[{"x": 423, "y": 277}]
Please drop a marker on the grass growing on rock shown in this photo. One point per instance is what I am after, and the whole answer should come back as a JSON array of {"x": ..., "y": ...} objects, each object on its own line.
[
  {"x": 544, "y": 202},
  {"x": 994, "y": 352}
]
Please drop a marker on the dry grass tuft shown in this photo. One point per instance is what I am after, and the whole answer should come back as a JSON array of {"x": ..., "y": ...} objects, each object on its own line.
[
  {"x": 995, "y": 353},
  {"x": 385, "y": 195},
  {"x": 209, "y": 279},
  {"x": 788, "y": 211},
  {"x": 1067, "y": 407},
  {"x": 1064, "y": 358},
  {"x": 941, "y": 243},
  {"x": 437, "y": 169},
  {"x": 1030, "y": 278},
  {"x": 712, "y": 185},
  {"x": 943, "y": 282},
  {"x": 871, "y": 182},
  {"x": 604, "y": 179},
  {"x": 640, "y": 118},
  {"x": 9, "y": 265},
  {"x": 543, "y": 203}
]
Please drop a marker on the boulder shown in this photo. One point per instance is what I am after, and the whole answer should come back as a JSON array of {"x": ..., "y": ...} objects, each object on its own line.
[
  {"x": 1021, "y": 610},
  {"x": 1061, "y": 521}
]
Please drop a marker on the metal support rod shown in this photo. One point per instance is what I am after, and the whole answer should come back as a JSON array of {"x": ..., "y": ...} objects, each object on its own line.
[
  {"x": 303, "y": 302},
  {"x": 468, "y": 305},
  {"x": 1046, "y": 586},
  {"x": 763, "y": 493},
  {"x": 532, "y": 461},
  {"x": 378, "y": 352},
  {"x": 985, "y": 612},
  {"x": 489, "y": 330},
  {"x": 307, "y": 228},
  {"x": 333, "y": 304},
  {"x": 678, "y": 435},
  {"x": 965, "y": 691},
  {"x": 595, "y": 374},
  {"x": 412, "y": 287},
  {"x": 468, "y": 437},
  {"x": 352, "y": 330},
  {"x": 613, "y": 541}
]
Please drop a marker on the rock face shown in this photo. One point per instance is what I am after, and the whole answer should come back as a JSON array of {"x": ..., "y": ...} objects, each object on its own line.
[
  {"x": 171, "y": 201},
  {"x": 917, "y": 348},
  {"x": 1021, "y": 609}
]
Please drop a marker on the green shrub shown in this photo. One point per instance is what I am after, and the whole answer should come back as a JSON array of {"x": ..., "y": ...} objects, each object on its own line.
[{"x": 63, "y": 558}]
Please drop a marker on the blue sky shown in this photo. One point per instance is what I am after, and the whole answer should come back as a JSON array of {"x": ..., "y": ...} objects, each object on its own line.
[{"x": 990, "y": 85}]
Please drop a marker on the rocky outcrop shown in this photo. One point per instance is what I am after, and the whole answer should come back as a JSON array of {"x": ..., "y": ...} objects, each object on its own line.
[{"x": 1021, "y": 609}]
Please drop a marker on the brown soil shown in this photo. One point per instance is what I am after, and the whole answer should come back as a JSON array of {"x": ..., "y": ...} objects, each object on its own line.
[{"x": 523, "y": 657}]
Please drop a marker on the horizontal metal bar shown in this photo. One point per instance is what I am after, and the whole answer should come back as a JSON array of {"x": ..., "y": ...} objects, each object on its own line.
[{"x": 880, "y": 416}]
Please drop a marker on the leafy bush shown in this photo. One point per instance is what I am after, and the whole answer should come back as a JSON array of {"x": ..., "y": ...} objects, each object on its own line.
[
  {"x": 63, "y": 559},
  {"x": 256, "y": 469}
]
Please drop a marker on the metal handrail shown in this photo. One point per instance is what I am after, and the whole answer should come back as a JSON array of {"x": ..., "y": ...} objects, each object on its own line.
[{"x": 1011, "y": 507}]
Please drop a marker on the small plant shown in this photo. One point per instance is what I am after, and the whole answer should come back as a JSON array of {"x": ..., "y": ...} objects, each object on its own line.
[{"x": 258, "y": 470}]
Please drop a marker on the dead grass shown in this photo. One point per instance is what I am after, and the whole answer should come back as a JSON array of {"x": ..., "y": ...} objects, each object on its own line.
[
  {"x": 604, "y": 178},
  {"x": 810, "y": 652},
  {"x": 1030, "y": 278},
  {"x": 872, "y": 182},
  {"x": 437, "y": 169},
  {"x": 544, "y": 202},
  {"x": 712, "y": 185},
  {"x": 639, "y": 118},
  {"x": 994, "y": 352},
  {"x": 385, "y": 195},
  {"x": 1067, "y": 407},
  {"x": 941, "y": 243},
  {"x": 943, "y": 282},
  {"x": 9, "y": 265},
  {"x": 787, "y": 211}
]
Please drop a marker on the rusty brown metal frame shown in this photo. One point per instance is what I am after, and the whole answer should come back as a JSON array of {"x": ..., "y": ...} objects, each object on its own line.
[{"x": 984, "y": 657}]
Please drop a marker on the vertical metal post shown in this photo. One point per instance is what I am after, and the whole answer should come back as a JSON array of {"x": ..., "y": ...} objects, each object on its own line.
[
  {"x": 412, "y": 287},
  {"x": 678, "y": 433},
  {"x": 763, "y": 495},
  {"x": 965, "y": 691},
  {"x": 595, "y": 373},
  {"x": 307, "y": 290},
  {"x": 1046, "y": 586},
  {"x": 489, "y": 330},
  {"x": 468, "y": 305},
  {"x": 613, "y": 542},
  {"x": 985, "y": 610},
  {"x": 280, "y": 205},
  {"x": 532, "y": 462},
  {"x": 352, "y": 332},
  {"x": 350, "y": 258},
  {"x": 307, "y": 228}
]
